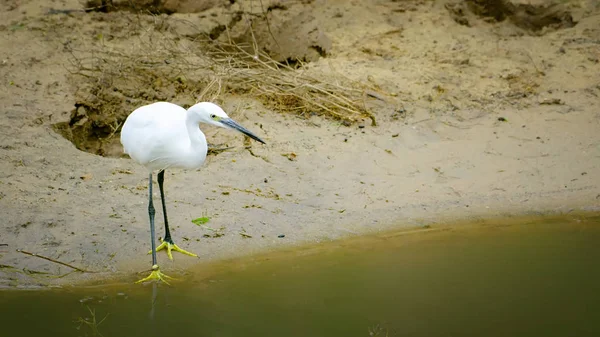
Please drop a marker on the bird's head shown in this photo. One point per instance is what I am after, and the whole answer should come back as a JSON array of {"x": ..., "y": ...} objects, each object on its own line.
[{"x": 210, "y": 113}]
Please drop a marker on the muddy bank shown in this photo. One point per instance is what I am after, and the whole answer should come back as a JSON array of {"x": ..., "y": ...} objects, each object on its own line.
[{"x": 479, "y": 120}]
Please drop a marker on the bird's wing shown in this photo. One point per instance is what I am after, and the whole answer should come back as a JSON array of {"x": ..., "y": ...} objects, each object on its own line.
[{"x": 151, "y": 131}]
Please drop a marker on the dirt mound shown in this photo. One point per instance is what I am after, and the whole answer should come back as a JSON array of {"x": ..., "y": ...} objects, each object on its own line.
[
  {"x": 159, "y": 58},
  {"x": 286, "y": 32},
  {"x": 532, "y": 17}
]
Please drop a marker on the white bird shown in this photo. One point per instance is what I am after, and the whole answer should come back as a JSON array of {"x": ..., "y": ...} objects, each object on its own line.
[{"x": 164, "y": 135}]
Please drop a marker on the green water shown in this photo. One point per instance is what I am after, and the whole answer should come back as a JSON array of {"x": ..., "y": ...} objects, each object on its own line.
[{"x": 536, "y": 279}]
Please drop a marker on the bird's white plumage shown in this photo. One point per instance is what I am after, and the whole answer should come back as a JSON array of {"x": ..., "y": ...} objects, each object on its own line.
[{"x": 162, "y": 135}]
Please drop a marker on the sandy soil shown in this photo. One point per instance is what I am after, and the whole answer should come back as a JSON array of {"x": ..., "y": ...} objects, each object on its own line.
[{"x": 482, "y": 119}]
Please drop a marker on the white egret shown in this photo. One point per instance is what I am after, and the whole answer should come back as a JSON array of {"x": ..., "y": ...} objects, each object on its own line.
[{"x": 164, "y": 135}]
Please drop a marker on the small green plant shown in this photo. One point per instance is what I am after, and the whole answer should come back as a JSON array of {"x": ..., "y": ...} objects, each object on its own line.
[
  {"x": 201, "y": 221},
  {"x": 204, "y": 219}
]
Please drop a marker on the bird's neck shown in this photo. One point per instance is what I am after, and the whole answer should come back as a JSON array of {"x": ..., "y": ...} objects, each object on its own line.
[{"x": 198, "y": 143}]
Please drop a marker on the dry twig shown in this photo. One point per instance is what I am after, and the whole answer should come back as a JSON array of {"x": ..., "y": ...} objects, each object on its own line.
[{"x": 55, "y": 261}]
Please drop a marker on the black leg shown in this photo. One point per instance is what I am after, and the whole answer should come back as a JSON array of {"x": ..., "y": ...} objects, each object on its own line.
[
  {"x": 161, "y": 179},
  {"x": 151, "y": 213},
  {"x": 167, "y": 242},
  {"x": 156, "y": 273}
]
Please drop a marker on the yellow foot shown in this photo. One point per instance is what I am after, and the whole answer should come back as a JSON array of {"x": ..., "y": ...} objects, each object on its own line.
[
  {"x": 172, "y": 247},
  {"x": 156, "y": 274}
]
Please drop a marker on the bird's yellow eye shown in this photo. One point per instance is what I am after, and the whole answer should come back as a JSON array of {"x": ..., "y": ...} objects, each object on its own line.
[{"x": 213, "y": 116}]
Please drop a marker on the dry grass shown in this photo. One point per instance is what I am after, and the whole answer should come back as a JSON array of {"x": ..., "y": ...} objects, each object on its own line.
[
  {"x": 113, "y": 79},
  {"x": 287, "y": 88}
]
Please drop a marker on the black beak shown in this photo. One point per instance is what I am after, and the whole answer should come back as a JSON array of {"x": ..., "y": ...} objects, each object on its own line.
[{"x": 234, "y": 125}]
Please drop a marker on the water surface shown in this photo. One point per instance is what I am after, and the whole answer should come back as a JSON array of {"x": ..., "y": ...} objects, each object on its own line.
[{"x": 517, "y": 279}]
